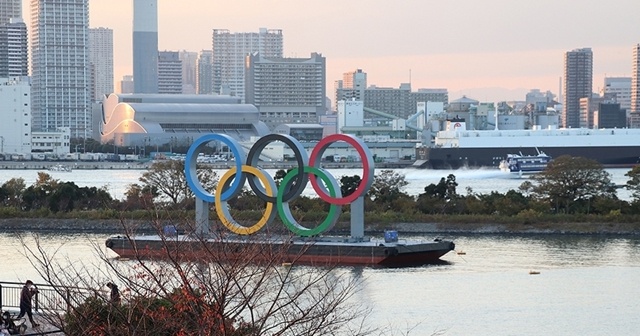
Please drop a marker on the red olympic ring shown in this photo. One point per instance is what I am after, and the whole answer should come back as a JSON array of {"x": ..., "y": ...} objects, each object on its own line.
[{"x": 367, "y": 167}]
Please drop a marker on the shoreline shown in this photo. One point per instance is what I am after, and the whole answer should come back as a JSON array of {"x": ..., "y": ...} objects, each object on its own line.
[{"x": 115, "y": 226}]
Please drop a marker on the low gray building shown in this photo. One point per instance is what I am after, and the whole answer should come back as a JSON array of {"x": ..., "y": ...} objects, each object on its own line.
[{"x": 156, "y": 119}]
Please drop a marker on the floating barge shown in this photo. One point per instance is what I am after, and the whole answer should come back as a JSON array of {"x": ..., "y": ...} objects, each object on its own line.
[{"x": 338, "y": 251}]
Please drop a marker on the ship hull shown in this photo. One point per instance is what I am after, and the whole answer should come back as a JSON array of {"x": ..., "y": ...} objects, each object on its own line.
[
  {"x": 331, "y": 252},
  {"x": 454, "y": 158}
]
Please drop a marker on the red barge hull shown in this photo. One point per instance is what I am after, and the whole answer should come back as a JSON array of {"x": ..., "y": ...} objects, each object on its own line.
[{"x": 327, "y": 251}]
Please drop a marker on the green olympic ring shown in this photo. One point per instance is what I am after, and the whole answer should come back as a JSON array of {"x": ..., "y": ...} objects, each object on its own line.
[{"x": 285, "y": 211}]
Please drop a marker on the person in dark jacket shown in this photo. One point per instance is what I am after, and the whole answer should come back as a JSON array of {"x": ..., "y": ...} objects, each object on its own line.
[
  {"x": 26, "y": 296},
  {"x": 114, "y": 296}
]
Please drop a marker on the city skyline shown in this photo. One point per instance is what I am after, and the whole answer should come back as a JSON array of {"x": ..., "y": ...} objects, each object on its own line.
[{"x": 463, "y": 46}]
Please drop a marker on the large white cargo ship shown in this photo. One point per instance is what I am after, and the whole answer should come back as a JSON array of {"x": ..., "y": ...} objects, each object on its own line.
[{"x": 457, "y": 147}]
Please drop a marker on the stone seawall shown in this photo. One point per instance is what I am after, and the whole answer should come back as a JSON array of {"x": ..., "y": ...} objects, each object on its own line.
[
  {"x": 116, "y": 226},
  {"x": 68, "y": 225}
]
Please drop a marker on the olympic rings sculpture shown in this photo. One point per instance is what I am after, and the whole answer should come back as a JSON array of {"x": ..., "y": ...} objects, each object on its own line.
[{"x": 263, "y": 185}]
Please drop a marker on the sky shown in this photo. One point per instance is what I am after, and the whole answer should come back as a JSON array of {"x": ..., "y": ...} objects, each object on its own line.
[{"x": 488, "y": 50}]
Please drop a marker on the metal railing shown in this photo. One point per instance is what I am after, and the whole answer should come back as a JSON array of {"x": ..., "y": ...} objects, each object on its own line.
[{"x": 49, "y": 298}]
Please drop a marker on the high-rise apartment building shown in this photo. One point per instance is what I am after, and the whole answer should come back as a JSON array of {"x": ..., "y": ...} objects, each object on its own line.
[
  {"x": 356, "y": 82},
  {"x": 14, "y": 54},
  {"x": 60, "y": 66},
  {"x": 635, "y": 80},
  {"x": 578, "y": 83},
  {"x": 189, "y": 61},
  {"x": 101, "y": 60},
  {"x": 352, "y": 86},
  {"x": 286, "y": 90},
  {"x": 204, "y": 75},
  {"x": 169, "y": 72},
  {"x": 145, "y": 46},
  {"x": 10, "y": 9},
  {"x": 230, "y": 50},
  {"x": 621, "y": 87}
]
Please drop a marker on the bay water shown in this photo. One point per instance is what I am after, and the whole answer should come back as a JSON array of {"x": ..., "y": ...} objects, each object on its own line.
[{"x": 587, "y": 285}]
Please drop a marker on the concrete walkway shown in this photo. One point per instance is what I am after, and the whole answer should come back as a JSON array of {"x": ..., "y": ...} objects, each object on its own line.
[{"x": 45, "y": 327}]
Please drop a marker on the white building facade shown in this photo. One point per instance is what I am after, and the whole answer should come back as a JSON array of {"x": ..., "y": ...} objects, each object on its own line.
[
  {"x": 286, "y": 90},
  {"x": 15, "y": 128},
  {"x": 229, "y": 51},
  {"x": 60, "y": 66},
  {"x": 101, "y": 60}
]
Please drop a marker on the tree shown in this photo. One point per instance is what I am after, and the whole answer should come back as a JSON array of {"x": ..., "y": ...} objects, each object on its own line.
[
  {"x": 571, "y": 181},
  {"x": 445, "y": 189},
  {"x": 633, "y": 184},
  {"x": 207, "y": 294},
  {"x": 348, "y": 184},
  {"x": 388, "y": 186},
  {"x": 169, "y": 180},
  {"x": 36, "y": 196},
  {"x": 12, "y": 190},
  {"x": 439, "y": 198},
  {"x": 137, "y": 197}
]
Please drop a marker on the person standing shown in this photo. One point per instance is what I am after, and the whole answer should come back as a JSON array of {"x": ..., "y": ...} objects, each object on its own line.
[
  {"x": 26, "y": 296},
  {"x": 114, "y": 296}
]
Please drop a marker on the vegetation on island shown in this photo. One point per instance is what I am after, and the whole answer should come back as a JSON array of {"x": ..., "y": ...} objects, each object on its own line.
[{"x": 571, "y": 189}]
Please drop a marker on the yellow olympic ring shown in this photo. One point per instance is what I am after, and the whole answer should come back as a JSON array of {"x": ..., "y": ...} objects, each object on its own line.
[{"x": 222, "y": 208}]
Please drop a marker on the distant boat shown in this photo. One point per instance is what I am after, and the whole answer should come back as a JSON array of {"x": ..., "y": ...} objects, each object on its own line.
[
  {"x": 60, "y": 168},
  {"x": 525, "y": 164}
]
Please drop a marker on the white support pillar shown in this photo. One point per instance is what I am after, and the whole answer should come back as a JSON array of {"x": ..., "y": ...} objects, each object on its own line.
[
  {"x": 357, "y": 219},
  {"x": 202, "y": 217}
]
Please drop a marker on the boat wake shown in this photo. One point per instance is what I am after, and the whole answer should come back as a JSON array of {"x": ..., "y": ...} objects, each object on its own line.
[{"x": 462, "y": 173}]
